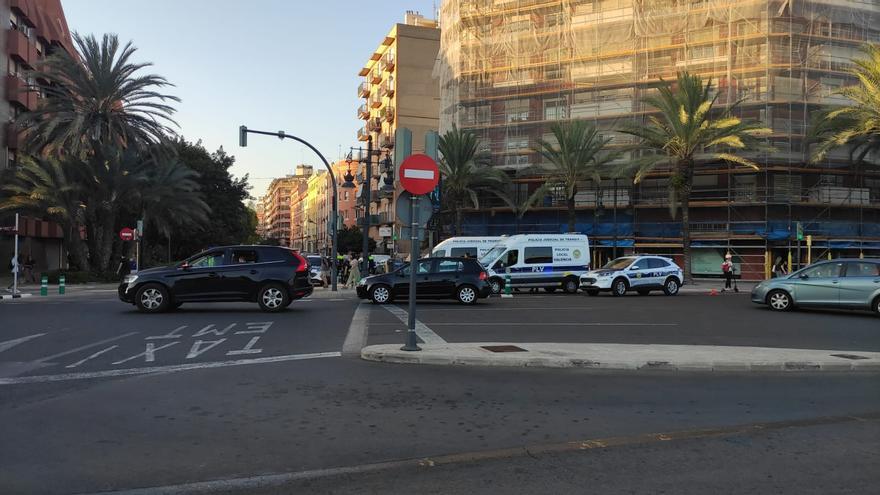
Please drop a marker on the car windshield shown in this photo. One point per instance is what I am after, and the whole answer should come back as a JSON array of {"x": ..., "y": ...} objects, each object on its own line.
[
  {"x": 314, "y": 260},
  {"x": 493, "y": 253},
  {"x": 618, "y": 264}
]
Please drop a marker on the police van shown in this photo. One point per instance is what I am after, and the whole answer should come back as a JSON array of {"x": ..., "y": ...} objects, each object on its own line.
[
  {"x": 460, "y": 247},
  {"x": 551, "y": 261},
  {"x": 638, "y": 273}
]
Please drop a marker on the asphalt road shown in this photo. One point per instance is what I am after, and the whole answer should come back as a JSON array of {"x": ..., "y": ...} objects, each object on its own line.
[{"x": 76, "y": 422}]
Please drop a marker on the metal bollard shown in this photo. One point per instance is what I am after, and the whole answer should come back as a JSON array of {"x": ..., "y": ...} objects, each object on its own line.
[
  {"x": 61, "y": 284},
  {"x": 44, "y": 285},
  {"x": 507, "y": 289}
]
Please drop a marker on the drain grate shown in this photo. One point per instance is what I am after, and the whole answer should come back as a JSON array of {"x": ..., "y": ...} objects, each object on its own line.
[
  {"x": 850, "y": 356},
  {"x": 504, "y": 348}
]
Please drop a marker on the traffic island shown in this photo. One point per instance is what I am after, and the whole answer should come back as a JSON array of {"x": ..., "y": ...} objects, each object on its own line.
[{"x": 629, "y": 357}]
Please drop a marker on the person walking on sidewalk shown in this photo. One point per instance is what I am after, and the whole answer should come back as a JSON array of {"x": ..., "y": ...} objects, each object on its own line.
[
  {"x": 727, "y": 269},
  {"x": 29, "y": 269},
  {"x": 779, "y": 269},
  {"x": 13, "y": 269},
  {"x": 354, "y": 272}
]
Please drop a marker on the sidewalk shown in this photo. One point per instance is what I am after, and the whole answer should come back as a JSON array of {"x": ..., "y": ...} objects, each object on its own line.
[{"x": 629, "y": 357}]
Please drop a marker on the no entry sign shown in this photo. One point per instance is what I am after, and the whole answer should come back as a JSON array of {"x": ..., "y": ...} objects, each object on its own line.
[
  {"x": 126, "y": 234},
  {"x": 419, "y": 174}
]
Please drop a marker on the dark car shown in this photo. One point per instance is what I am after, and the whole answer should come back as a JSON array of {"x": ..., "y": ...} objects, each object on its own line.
[
  {"x": 436, "y": 278},
  {"x": 271, "y": 276}
]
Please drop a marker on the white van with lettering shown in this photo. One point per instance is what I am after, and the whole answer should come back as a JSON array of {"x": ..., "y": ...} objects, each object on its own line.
[
  {"x": 460, "y": 247},
  {"x": 550, "y": 261}
]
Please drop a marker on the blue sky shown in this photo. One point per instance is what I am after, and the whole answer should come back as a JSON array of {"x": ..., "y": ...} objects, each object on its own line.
[{"x": 268, "y": 64}]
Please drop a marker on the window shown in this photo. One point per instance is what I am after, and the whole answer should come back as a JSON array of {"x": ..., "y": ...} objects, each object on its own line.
[
  {"x": 214, "y": 258},
  {"x": 447, "y": 266},
  {"x": 862, "y": 269},
  {"x": 554, "y": 109},
  {"x": 468, "y": 252},
  {"x": 424, "y": 267},
  {"x": 539, "y": 255},
  {"x": 825, "y": 270},
  {"x": 345, "y": 196},
  {"x": 241, "y": 256},
  {"x": 656, "y": 263}
]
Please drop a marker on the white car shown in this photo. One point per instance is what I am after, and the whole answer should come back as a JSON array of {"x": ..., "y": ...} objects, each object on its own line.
[{"x": 639, "y": 273}]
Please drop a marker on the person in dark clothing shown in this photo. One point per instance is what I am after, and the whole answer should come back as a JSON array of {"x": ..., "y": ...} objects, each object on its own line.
[{"x": 727, "y": 270}]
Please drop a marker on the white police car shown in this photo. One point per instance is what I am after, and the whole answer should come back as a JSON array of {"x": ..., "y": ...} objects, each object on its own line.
[{"x": 639, "y": 273}]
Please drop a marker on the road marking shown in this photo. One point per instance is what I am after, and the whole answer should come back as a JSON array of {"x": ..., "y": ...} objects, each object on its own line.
[
  {"x": 255, "y": 327},
  {"x": 84, "y": 347},
  {"x": 9, "y": 344},
  {"x": 174, "y": 334},
  {"x": 81, "y": 361},
  {"x": 584, "y": 324},
  {"x": 426, "y": 334},
  {"x": 149, "y": 353},
  {"x": 86, "y": 375},
  {"x": 281, "y": 480},
  {"x": 197, "y": 348},
  {"x": 356, "y": 338},
  {"x": 247, "y": 348},
  {"x": 210, "y": 330}
]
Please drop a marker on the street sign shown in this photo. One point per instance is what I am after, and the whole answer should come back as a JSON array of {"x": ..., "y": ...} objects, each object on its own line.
[
  {"x": 419, "y": 174},
  {"x": 800, "y": 231},
  {"x": 126, "y": 234},
  {"x": 424, "y": 209},
  {"x": 385, "y": 231}
]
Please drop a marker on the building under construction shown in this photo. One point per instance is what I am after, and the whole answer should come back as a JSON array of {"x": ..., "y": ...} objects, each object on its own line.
[{"x": 509, "y": 68}]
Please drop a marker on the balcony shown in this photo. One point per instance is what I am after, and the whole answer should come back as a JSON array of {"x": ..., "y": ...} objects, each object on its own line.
[
  {"x": 374, "y": 219},
  {"x": 363, "y": 134},
  {"x": 13, "y": 136},
  {"x": 376, "y": 101},
  {"x": 364, "y": 90},
  {"x": 376, "y": 76},
  {"x": 386, "y": 217},
  {"x": 19, "y": 46},
  {"x": 387, "y": 113},
  {"x": 388, "y": 61},
  {"x": 374, "y": 125},
  {"x": 363, "y": 112},
  {"x": 387, "y": 88},
  {"x": 386, "y": 141},
  {"x": 17, "y": 91}
]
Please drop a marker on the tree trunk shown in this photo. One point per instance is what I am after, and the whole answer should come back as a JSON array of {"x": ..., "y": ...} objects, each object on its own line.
[
  {"x": 686, "y": 171},
  {"x": 572, "y": 217},
  {"x": 75, "y": 247},
  {"x": 458, "y": 221}
]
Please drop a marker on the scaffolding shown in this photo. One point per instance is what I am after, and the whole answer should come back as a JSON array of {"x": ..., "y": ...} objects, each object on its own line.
[{"x": 508, "y": 69}]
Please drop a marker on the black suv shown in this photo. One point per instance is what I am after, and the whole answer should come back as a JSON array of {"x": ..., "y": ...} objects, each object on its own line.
[
  {"x": 270, "y": 276},
  {"x": 436, "y": 278}
]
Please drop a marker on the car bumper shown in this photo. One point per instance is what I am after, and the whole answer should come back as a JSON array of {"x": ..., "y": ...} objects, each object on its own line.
[
  {"x": 485, "y": 290},
  {"x": 125, "y": 295},
  {"x": 595, "y": 284},
  {"x": 362, "y": 291},
  {"x": 759, "y": 295}
]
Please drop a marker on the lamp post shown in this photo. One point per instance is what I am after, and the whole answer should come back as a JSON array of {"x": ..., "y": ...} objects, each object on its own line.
[{"x": 242, "y": 141}]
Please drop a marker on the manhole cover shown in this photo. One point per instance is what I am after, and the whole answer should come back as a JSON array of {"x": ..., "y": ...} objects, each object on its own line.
[
  {"x": 850, "y": 356},
  {"x": 504, "y": 348}
]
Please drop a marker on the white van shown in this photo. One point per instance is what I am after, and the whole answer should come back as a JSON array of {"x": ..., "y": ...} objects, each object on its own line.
[
  {"x": 472, "y": 247},
  {"x": 551, "y": 261}
]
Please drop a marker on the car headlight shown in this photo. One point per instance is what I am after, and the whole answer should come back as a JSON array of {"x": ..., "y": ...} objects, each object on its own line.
[
  {"x": 129, "y": 279},
  {"x": 363, "y": 281}
]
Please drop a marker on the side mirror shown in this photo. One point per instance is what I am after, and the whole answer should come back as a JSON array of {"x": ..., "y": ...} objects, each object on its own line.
[{"x": 634, "y": 267}]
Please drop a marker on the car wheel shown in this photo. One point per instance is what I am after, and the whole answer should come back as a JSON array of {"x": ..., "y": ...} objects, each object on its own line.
[
  {"x": 592, "y": 292},
  {"x": 619, "y": 287},
  {"x": 497, "y": 285},
  {"x": 779, "y": 300},
  {"x": 467, "y": 294},
  {"x": 644, "y": 292},
  {"x": 273, "y": 298},
  {"x": 152, "y": 298},
  {"x": 670, "y": 288},
  {"x": 550, "y": 290},
  {"x": 570, "y": 285},
  {"x": 380, "y": 294},
  {"x": 876, "y": 305}
]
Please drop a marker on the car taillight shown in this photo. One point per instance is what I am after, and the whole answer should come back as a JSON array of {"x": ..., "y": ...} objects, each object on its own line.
[
  {"x": 484, "y": 275},
  {"x": 303, "y": 263}
]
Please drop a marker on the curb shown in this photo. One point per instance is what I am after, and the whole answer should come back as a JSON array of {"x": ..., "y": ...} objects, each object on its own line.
[
  {"x": 545, "y": 359},
  {"x": 14, "y": 296}
]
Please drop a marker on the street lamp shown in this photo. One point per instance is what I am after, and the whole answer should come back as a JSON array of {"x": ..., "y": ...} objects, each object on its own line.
[
  {"x": 242, "y": 141},
  {"x": 366, "y": 157}
]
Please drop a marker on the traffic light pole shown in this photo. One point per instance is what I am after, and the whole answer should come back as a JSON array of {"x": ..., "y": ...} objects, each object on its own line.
[{"x": 242, "y": 141}]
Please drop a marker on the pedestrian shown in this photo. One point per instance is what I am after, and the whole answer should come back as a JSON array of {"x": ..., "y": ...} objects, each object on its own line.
[
  {"x": 29, "y": 269},
  {"x": 727, "y": 270},
  {"x": 325, "y": 271},
  {"x": 13, "y": 268},
  {"x": 124, "y": 268},
  {"x": 354, "y": 272},
  {"x": 779, "y": 268}
]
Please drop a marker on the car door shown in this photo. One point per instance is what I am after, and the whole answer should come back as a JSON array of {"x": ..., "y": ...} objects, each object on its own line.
[
  {"x": 200, "y": 277},
  {"x": 638, "y": 273},
  {"x": 658, "y": 270},
  {"x": 423, "y": 272},
  {"x": 508, "y": 261},
  {"x": 819, "y": 285},
  {"x": 239, "y": 277},
  {"x": 860, "y": 281},
  {"x": 444, "y": 278}
]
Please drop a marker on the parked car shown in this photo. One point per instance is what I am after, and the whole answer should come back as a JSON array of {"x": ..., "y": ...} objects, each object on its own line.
[
  {"x": 271, "y": 276},
  {"x": 314, "y": 269},
  {"x": 436, "y": 278},
  {"x": 840, "y": 283},
  {"x": 551, "y": 261},
  {"x": 639, "y": 273}
]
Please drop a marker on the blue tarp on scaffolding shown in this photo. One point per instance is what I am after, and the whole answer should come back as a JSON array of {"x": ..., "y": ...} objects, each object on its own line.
[{"x": 620, "y": 243}]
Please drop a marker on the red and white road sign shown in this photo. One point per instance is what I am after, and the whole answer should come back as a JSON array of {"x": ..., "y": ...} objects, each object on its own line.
[
  {"x": 126, "y": 234},
  {"x": 419, "y": 174}
]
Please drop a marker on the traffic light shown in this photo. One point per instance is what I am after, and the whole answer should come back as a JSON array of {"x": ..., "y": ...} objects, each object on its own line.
[{"x": 242, "y": 136}]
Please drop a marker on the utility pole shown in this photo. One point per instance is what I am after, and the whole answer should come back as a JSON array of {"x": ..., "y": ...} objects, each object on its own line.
[{"x": 368, "y": 185}]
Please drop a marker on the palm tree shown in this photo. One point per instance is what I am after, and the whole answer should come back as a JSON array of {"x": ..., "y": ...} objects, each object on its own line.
[
  {"x": 688, "y": 126},
  {"x": 170, "y": 197},
  {"x": 51, "y": 190},
  {"x": 95, "y": 100},
  {"x": 578, "y": 155},
  {"x": 465, "y": 172},
  {"x": 856, "y": 125}
]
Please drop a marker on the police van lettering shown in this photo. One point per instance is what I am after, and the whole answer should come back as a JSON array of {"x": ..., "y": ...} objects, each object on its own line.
[{"x": 566, "y": 254}]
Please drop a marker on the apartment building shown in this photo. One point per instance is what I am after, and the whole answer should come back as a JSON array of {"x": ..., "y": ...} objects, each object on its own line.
[
  {"x": 398, "y": 91},
  {"x": 32, "y": 29},
  {"x": 277, "y": 204},
  {"x": 312, "y": 208},
  {"x": 508, "y": 69}
]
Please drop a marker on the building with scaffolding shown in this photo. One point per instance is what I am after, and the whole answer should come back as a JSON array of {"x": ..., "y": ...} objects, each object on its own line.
[{"x": 509, "y": 68}]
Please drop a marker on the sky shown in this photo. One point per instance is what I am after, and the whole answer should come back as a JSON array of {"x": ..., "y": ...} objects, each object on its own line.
[{"x": 268, "y": 64}]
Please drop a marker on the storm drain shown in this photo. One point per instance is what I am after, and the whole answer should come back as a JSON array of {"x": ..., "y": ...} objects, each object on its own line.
[
  {"x": 504, "y": 348},
  {"x": 850, "y": 356}
]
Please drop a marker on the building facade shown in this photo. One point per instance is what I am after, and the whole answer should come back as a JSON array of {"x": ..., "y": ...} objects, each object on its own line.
[
  {"x": 277, "y": 217},
  {"x": 509, "y": 69},
  {"x": 398, "y": 91},
  {"x": 312, "y": 209}
]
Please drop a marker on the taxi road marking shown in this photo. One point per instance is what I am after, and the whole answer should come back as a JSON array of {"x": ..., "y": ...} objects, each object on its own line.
[{"x": 164, "y": 369}]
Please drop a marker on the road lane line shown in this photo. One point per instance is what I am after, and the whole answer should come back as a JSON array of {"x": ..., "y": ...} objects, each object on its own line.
[
  {"x": 426, "y": 334},
  {"x": 582, "y": 324},
  {"x": 173, "y": 368},
  {"x": 84, "y": 347},
  {"x": 9, "y": 344},
  {"x": 280, "y": 480},
  {"x": 356, "y": 338},
  {"x": 81, "y": 361}
]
